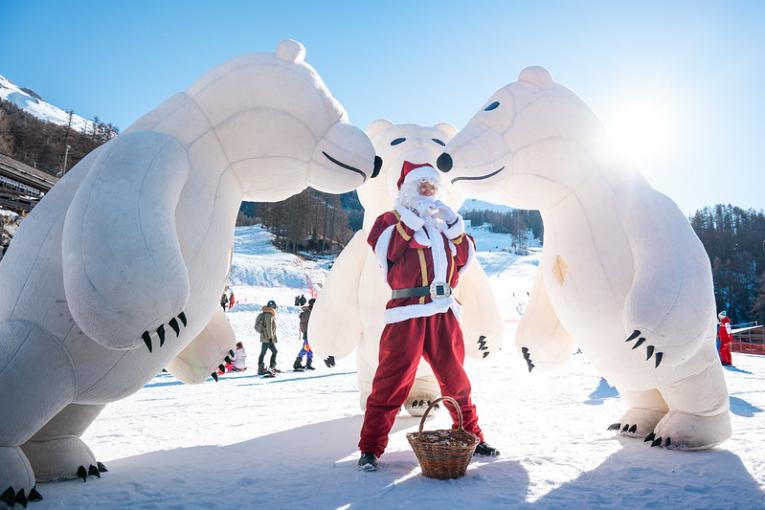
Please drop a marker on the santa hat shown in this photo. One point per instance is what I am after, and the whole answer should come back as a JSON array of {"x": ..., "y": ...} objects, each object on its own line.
[{"x": 415, "y": 171}]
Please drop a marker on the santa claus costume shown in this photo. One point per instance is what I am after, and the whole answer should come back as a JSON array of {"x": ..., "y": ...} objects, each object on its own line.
[
  {"x": 422, "y": 249},
  {"x": 724, "y": 332}
]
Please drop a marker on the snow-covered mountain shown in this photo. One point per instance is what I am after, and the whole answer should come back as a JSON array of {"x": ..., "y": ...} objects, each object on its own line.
[{"x": 32, "y": 103}]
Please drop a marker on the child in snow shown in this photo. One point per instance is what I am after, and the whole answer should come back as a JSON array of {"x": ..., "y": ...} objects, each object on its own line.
[
  {"x": 306, "y": 351},
  {"x": 422, "y": 247},
  {"x": 265, "y": 324},
  {"x": 239, "y": 361}
]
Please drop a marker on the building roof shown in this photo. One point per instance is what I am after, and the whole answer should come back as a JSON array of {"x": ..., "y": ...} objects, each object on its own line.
[{"x": 25, "y": 174}]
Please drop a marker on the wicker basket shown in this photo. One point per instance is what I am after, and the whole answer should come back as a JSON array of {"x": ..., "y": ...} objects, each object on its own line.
[{"x": 443, "y": 454}]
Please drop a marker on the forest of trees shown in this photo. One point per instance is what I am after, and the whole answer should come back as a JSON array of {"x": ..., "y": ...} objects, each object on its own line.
[
  {"x": 734, "y": 239},
  {"x": 42, "y": 145},
  {"x": 517, "y": 223},
  {"x": 309, "y": 221}
]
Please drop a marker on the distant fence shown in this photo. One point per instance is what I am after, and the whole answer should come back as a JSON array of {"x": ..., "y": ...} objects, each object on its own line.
[{"x": 750, "y": 340}]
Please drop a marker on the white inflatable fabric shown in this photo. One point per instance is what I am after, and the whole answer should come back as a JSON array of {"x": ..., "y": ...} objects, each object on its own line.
[
  {"x": 349, "y": 311},
  {"x": 118, "y": 272},
  {"x": 623, "y": 274}
]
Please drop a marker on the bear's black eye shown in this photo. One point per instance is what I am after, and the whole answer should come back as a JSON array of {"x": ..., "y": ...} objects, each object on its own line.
[
  {"x": 492, "y": 106},
  {"x": 439, "y": 142},
  {"x": 398, "y": 141}
]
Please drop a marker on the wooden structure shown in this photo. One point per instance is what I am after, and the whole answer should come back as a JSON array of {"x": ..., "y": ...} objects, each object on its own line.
[
  {"x": 750, "y": 340},
  {"x": 22, "y": 186}
]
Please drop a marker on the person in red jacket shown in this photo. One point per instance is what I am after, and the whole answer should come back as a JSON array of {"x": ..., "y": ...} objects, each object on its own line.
[
  {"x": 724, "y": 333},
  {"x": 422, "y": 249}
]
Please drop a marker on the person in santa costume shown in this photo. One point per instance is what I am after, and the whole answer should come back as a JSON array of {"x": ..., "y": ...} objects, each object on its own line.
[
  {"x": 724, "y": 333},
  {"x": 422, "y": 249}
]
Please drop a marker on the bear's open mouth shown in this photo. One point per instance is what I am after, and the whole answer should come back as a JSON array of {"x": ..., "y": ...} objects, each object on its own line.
[
  {"x": 343, "y": 165},
  {"x": 479, "y": 177}
]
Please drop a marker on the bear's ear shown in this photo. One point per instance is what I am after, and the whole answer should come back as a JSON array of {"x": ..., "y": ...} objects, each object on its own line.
[
  {"x": 538, "y": 76},
  {"x": 291, "y": 51},
  {"x": 446, "y": 129},
  {"x": 378, "y": 127}
]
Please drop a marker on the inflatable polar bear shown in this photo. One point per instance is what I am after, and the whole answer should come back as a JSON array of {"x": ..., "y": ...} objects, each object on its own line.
[
  {"x": 623, "y": 273},
  {"x": 349, "y": 311},
  {"x": 118, "y": 272}
]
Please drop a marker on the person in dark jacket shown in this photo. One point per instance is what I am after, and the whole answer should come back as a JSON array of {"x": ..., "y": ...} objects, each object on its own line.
[
  {"x": 265, "y": 324},
  {"x": 306, "y": 351}
]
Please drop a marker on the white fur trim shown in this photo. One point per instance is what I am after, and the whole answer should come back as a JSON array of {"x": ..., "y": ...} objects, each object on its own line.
[
  {"x": 422, "y": 238},
  {"x": 409, "y": 218},
  {"x": 457, "y": 229},
  {"x": 438, "y": 253},
  {"x": 402, "y": 313},
  {"x": 381, "y": 250},
  {"x": 471, "y": 255},
  {"x": 423, "y": 172}
]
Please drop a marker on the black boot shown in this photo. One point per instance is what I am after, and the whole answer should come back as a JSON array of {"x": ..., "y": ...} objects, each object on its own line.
[
  {"x": 486, "y": 450},
  {"x": 298, "y": 366},
  {"x": 368, "y": 462},
  {"x": 262, "y": 370},
  {"x": 308, "y": 365}
]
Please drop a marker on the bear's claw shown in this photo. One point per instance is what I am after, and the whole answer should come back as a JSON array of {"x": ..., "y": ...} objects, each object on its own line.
[
  {"x": 173, "y": 323},
  {"x": 482, "y": 346},
  {"x": 34, "y": 496},
  {"x": 615, "y": 426},
  {"x": 650, "y": 350},
  {"x": 8, "y": 496},
  {"x": 84, "y": 473},
  {"x": 527, "y": 357}
]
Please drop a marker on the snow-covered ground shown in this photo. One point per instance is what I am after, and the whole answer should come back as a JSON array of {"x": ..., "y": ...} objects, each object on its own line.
[
  {"x": 40, "y": 108},
  {"x": 290, "y": 442}
]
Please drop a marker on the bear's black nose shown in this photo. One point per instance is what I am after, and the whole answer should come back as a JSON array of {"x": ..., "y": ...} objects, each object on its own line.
[
  {"x": 378, "y": 166},
  {"x": 444, "y": 162}
]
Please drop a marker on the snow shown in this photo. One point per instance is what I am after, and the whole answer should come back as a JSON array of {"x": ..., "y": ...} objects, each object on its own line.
[
  {"x": 11, "y": 92},
  {"x": 290, "y": 442}
]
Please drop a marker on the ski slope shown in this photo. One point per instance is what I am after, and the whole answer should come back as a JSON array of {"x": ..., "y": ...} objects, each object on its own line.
[{"x": 290, "y": 442}]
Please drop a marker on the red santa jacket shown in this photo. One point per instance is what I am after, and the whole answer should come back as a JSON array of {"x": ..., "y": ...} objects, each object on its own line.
[{"x": 413, "y": 253}]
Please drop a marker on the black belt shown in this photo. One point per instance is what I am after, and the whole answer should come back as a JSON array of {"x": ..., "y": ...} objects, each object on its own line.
[{"x": 434, "y": 290}]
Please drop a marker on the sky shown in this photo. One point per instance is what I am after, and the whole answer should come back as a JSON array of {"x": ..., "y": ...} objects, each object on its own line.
[{"x": 679, "y": 85}]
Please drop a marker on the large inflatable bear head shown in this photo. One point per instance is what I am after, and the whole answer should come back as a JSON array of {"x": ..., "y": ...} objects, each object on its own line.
[
  {"x": 280, "y": 128},
  {"x": 397, "y": 143},
  {"x": 530, "y": 144}
]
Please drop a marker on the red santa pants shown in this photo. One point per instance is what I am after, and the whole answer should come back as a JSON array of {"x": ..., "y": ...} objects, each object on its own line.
[{"x": 438, "y": 339}]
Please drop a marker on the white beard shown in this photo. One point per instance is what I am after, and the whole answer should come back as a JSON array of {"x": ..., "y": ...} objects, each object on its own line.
[{"x": 410, "y": 198}]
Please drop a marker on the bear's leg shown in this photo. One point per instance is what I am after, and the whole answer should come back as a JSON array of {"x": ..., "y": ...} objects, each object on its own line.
[
  {"x": 645, "y": 410},
  {"x": 56, "y": 452},
  {"x": 364, "y": 375},
  {"x": 699, "y": 415},
  {"x": 424, "y": 391},
  {"x": 36, "y": 381}
]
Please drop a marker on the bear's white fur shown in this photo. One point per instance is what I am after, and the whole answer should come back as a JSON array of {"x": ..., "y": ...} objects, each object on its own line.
[
  {"x": 623, "y": 274},
  {"x": 118, "y": 272},
  {"x": 349, "y": 310}
]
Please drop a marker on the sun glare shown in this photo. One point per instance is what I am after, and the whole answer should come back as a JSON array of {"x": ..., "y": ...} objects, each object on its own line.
[{"x": 641, "y": 131}]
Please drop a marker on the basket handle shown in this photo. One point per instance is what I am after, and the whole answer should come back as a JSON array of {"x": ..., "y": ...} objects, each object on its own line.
[{"x": 454, "y": 404}]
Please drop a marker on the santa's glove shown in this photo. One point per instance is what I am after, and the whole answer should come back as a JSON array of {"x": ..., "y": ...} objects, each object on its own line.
[
  {"x": 425, "y": 208},
  {"x": 329, "y": 361},
  {"x": 444, "y": 212}
]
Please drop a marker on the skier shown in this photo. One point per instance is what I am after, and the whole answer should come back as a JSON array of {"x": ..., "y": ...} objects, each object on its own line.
[
  {"x": 306, "y": 351},
  {"x": 265, "y": 324},
  {"x": 418, "y": 244},
  {"x": 724, "y": 332}
]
